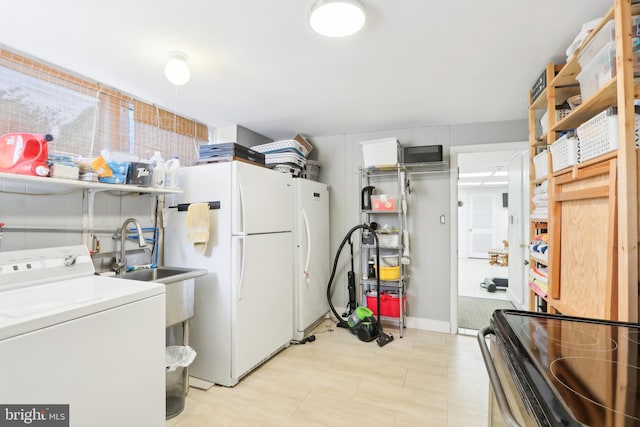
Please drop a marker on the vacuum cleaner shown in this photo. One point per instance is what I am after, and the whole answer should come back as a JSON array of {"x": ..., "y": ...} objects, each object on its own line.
[{"x": 359, "y": 320}]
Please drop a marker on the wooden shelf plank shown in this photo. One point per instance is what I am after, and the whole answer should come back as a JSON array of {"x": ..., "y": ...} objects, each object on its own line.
[{"x": 602, "y": 99}]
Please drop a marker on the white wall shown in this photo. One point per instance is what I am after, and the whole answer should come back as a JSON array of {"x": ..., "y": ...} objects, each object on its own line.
[
  {"x": 30, "y": 211},
  {"x": 340, "y": 157}
]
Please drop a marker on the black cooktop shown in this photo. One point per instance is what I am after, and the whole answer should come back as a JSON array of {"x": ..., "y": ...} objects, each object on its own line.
[{"x": 576, "y": 371}]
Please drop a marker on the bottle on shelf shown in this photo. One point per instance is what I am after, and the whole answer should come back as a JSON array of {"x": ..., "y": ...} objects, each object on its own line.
[
  {"x": 170, "y": 172},
  {"x": 158, "y": 174}
]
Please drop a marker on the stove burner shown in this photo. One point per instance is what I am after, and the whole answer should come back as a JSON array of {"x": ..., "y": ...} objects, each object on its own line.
[
  {"x": 578, "y": 336},
  {"x": 570, "y": 373}
]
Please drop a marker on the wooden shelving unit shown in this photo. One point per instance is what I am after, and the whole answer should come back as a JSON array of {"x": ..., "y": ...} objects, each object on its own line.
[{"x": 592, "y": 223}]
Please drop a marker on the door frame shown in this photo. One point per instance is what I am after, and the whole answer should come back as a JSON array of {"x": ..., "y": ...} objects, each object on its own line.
[{"x": 453, "y": 159}]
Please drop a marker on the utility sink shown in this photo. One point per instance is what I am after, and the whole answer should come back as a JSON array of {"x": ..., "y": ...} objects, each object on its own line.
[{"x": 180, "y": 289}]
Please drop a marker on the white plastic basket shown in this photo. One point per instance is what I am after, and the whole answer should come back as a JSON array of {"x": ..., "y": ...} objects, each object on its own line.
[
  {"x": 541, "y": 164},
  {"x": 278, "y": 158},
  {"x": 564, "y": 152},
  {"x": 281, "y": 146},
  {"x": 599, "y": 135},
  {"x": 389, "y": 240},
  {"x": 560, "y": 114}
]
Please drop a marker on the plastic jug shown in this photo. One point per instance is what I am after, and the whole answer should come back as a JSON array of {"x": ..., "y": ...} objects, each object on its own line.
[
  {"x": 25, "y": 153},
  {"x": 158, "y": 173},
  {"x": 170, "y": 172}
]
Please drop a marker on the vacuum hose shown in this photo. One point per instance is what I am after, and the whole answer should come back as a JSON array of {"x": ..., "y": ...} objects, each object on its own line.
[{"x": 383, "y": 338}]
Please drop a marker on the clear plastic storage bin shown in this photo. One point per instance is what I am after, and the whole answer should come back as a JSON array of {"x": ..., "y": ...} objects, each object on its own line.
[
  {"x": 380, "y": 152},
  {"x": 598, "y": 71}
]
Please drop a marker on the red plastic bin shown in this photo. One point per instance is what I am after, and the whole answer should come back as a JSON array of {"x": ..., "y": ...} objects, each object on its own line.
[{"x": 389, "y": 304}]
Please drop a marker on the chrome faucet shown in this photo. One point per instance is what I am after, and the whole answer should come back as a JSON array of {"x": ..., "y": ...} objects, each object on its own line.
[{"x": 122, "y": 262}]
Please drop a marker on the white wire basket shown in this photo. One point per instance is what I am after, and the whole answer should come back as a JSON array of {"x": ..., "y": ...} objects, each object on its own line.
[
  {"x": 564, "y": 152},
  {"x": 599, "y": 135}
]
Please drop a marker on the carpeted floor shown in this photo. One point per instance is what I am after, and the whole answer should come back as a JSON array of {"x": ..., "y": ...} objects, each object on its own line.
[{"x": 474, "y": 313}]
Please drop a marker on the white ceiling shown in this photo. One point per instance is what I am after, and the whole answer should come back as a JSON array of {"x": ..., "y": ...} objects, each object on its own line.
[
  {"x": 486, "y": 168},
  {"x": 257, "y": 63}
]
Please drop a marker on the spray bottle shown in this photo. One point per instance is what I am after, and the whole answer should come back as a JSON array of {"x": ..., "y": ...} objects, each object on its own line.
[
  {"x": 170, "y": 172},
  {"x": 158, "y": 170}
]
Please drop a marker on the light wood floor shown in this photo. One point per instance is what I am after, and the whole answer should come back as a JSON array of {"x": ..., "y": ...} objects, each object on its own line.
[{"x": 423, "y": 379}]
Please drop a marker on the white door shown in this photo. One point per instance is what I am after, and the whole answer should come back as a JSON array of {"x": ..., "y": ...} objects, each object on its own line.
[
  {"x": 312, "y": 254},
  {"x": 518, "y": 229},
  {"x": 262, "y": 313},
  {"x": 481, "y": 224},
  {"x": 262, "y": 200}
]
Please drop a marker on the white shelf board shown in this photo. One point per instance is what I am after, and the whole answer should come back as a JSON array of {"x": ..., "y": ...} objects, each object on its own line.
[{"x": 84, "y": 184}]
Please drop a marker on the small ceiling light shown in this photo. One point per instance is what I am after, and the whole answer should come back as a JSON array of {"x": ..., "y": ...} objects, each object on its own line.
[
  {"x": 336, "y": 18},
  {"x": 177, "y": 70}
]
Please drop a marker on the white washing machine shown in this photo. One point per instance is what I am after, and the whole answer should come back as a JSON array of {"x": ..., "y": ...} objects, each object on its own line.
[{"x": 69, "y": 337}]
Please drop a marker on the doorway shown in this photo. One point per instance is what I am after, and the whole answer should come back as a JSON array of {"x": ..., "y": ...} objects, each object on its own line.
[{"x": 490, "y": 216}]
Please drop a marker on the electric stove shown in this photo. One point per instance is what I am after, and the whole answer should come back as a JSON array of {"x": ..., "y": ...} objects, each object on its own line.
[{"x": 563, "y": 371}]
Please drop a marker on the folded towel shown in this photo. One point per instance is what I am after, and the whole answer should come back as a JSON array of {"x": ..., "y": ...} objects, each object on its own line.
[
  {"x": 540, "y": 197},
  {"x": 542, "y": 188},
  {"x": 198, "y": 226}
]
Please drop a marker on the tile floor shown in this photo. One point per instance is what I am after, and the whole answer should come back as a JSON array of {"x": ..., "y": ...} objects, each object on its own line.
[
  {"x": 423, "y": 379},
  {"x": 472, "y": 271}
]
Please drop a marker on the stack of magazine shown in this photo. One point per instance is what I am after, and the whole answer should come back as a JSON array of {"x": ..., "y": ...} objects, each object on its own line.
[{"x": 227, "y": 152}]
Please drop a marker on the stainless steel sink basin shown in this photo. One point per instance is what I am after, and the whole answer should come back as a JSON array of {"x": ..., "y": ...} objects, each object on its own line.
[
  {"x": 180, "y": 289},
  {"x": 164, "y": 275}
]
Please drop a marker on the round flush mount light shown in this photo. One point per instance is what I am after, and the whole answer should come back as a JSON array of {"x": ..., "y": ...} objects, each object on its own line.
[
  {"x": 177, "y": 70},
  {"x": 336, "y": 18}
]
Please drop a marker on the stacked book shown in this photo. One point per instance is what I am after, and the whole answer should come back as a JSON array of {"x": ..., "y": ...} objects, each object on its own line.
[{"x": 226, "y": 152}]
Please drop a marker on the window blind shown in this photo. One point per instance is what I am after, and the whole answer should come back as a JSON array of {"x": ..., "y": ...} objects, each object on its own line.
[{"x": 85, "y": 117}]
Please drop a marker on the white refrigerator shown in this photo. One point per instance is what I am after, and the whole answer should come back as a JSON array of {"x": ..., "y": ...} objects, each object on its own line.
[
  {"x": 243, "y": 310},
  {"x": 312, "y": 258}
]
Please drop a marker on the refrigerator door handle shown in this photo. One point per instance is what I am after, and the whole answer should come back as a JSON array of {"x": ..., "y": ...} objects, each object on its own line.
[
  {"x": 241, "y": 260},
  {"x": 306, "y": 264},
  {"x": 241, "y": 230}
]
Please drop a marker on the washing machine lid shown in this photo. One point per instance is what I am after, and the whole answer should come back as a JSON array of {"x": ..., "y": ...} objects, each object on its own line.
[
  {"x": 19, "y": 269},
  {"x": 44, "y": 287}
]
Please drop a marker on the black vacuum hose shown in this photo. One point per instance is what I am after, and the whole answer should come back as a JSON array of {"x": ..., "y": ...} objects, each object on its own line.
[{"x": 382, "y": 337}]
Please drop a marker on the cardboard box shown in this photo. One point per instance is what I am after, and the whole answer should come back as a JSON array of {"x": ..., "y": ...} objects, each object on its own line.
[{"x": 302, "y": 140}]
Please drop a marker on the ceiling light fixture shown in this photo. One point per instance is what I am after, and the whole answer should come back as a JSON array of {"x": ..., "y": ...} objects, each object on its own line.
[
  {"x": 336, "y": 18},
  {"x": 474, "y": 174},
  {"x": 177, "y": 70}
]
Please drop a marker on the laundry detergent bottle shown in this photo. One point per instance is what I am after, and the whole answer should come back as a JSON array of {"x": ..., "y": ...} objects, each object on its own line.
[
  {"x": 158, "y": 174},
  {"x": 25, "y": 153}
]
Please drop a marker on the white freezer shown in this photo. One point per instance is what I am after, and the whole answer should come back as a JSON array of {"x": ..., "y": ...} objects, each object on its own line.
[
  {"x": 312, "y": 260},
  {"x": 254, "y": 199},
  {"x": 243, "y": 307}
]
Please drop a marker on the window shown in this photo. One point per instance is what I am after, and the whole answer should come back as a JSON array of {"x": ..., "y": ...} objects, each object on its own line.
[{"x": 85, "y": 117}]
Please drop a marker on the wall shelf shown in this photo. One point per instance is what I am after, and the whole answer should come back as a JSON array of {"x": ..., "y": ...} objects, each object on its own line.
[{"x": 29, "y": 179}]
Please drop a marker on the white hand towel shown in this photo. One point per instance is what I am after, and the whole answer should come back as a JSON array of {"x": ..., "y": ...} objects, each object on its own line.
[{"x": 198, "y": 226}]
